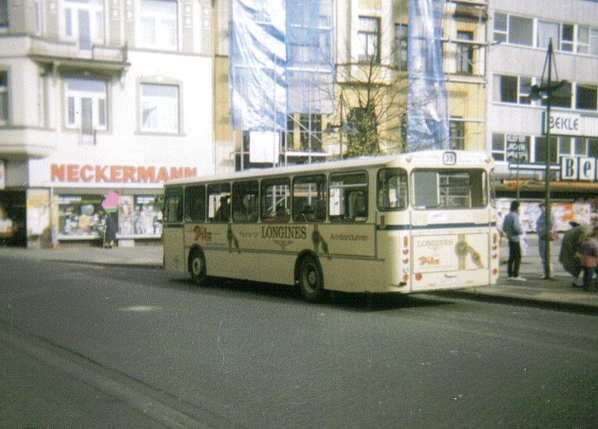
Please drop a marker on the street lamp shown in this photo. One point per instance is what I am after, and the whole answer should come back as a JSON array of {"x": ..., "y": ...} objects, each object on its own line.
[{"x": 546, "y": 90}]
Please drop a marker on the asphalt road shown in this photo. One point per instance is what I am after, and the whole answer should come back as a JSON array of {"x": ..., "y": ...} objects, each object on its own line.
[{"x": 92, "y": 347}]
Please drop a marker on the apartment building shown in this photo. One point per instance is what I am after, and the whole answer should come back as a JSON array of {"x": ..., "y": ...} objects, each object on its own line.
[
  {"x": 520, "y": 34},
  {"x": 100, "y": 98}
]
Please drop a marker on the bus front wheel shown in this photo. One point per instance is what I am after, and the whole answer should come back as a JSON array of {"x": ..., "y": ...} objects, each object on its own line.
[
  {"x": 310, "y": 279},
  {"x": 197, "y": 267}
]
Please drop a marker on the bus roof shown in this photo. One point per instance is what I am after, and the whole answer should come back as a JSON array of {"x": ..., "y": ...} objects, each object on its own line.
[{"x": 423, "y": 158}]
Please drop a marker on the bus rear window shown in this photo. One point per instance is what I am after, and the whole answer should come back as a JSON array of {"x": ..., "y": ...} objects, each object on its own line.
[{"x": 449, "y": 189}]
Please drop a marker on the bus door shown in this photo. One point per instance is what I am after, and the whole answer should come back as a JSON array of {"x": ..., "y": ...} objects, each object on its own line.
[{"x": 173, "y": 233}]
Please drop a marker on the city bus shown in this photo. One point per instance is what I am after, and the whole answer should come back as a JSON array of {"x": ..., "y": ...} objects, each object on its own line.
[{"x": 407, "y": 223}]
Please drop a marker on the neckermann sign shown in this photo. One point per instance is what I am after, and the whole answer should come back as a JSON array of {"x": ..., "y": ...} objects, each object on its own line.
[{"x": 579, "y": 168}]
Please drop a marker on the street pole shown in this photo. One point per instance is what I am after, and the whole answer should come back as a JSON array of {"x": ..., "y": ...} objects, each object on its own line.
[{"x": 547, "y": 212}]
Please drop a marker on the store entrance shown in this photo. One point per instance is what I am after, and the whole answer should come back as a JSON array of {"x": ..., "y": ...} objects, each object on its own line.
[{"x": 13, "y": 218}]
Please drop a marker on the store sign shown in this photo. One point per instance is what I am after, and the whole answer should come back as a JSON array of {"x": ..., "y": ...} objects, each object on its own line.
[
  {"x": 571, "y": 124},
  {"x": 579, "y": 168},
  {"x": 87, "y": 173}
]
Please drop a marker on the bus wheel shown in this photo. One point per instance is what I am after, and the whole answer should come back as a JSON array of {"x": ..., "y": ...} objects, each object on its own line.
[
  {"x": 197, "y": 267},
  {"x": 310, "y": 279}
]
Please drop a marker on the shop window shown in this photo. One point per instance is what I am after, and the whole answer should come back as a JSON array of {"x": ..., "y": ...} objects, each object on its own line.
[
  {"x": 158, "y": 24},
  {"x": 85, "y": 105},
  {"x": 160, "y": 108},
  {"x": 348, "y": 197},
  {"x": 309, "y": 198},
  {"x": 586, "y": 97},
  {"x": 141, "y": 215}
]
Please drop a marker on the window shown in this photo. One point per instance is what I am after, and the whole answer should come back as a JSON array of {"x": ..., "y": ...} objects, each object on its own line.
[
  {"x": 348, "y": 197},
  {"x": 500, "y": 27},
  {"x": 246, "y": 201},
  {"x": 498, "y": 147},
  {"x": 547, "y": 31},
  {"x": 594, "y": 42},
  {"x": 4, "y": 13},
  {"x": 160, "y": 108},
  {"x": 219, "y": 202},
  {"x": 593, "y": 148},
  {"x": 392, "y": 189},
  {"x": 85, "y": 104},
  {"x": 567, "y": 38},
  {"x": 276, "y": 200},
  {"x": 505, "y": 89},
  {"x": 158, "y": 24},
  {"x": 580, "y": 147},
  {"x": 520, "y": 30},
  {"x": 369, "y": 37},
  {"x": 195, "y": 204},
  {"x": 525, "y": 87},
  {"x": 310, "y": 132},
  {"x": 465, "y": 53},
  {"x": 457, "y": 135},
  {"x": 401, "y": 33},
  {"x": 540, "y": 155},
  {"x": 309, "y": 198},
  {"x": 449, "y": 189},
  {"x": 583, "y": 40},
  {"x": 173, "y": 205},
  {"x": 84, "y": 22},
  {"x": 586, "y": 97},
  {"x": 3, "y": 97}
]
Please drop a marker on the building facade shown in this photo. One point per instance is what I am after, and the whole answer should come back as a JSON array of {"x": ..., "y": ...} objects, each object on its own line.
[
  {"x": 98, "y": 97},
  {"x": 520, "y": 35}
]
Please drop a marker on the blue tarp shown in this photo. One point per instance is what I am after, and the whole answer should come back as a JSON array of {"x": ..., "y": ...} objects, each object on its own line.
[{"x": 427, "y": 110}]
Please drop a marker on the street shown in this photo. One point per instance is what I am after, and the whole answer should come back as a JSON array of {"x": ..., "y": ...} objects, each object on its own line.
[{"x": 127, "y": 347}]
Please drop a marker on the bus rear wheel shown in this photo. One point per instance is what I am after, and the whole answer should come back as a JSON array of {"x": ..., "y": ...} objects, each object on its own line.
[
  {"x": 310, "y": 279},
  {"x": 197, "y": 267}
]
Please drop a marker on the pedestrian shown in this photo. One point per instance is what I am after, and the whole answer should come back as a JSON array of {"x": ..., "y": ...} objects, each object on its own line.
[
  {"x": 544, "y": 231},
  {"x": 512, "y": 228},
  {"x": 572, "y": 240},
  {"x": 110, "y": 234},
  {"x": 588, "y": 258}
]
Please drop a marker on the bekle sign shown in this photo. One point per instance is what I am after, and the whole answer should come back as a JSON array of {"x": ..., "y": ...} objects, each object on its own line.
[
  {"x": 571, "y": 124},
  {"x": 579, "y": 168}
]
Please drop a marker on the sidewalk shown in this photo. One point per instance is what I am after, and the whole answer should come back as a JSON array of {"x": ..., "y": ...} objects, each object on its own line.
[{"x": 556, "y": 292}]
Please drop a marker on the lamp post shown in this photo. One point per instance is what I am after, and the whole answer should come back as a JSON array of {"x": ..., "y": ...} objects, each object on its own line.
[{"x": 546, "y": 90}]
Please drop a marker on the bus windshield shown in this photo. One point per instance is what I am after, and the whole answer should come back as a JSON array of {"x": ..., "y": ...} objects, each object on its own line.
[{"x": 449, "y": 189}]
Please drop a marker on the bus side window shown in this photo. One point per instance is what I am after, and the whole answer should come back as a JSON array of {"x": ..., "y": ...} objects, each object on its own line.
[
  {"x": 245, "y": 201},
  {"x": 348, "y": 201},
  {"x": 173, "y": 205},
  {"x": 219, "y": 202},
  {"x": 309, "y": 198},
  {"x": 195, "y": 204},
  {"x": 276, "y": 202},
  {"x": 392, "y": 189}
]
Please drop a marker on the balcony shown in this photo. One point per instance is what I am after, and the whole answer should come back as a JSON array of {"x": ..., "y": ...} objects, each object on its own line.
[{"x": 56, "y": 54}]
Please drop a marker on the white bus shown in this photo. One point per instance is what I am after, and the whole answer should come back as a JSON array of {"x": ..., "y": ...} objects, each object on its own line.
[{"x": 406, "y": 223}]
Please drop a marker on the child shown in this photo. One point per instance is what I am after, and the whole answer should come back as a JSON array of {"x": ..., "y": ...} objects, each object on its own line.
[{"x": 588, "y": 258}]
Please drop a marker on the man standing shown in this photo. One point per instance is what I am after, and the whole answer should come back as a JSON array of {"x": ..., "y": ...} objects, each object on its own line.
[
  {"x": 512, "y": 228},
  {"x": 543, "y": 230}
]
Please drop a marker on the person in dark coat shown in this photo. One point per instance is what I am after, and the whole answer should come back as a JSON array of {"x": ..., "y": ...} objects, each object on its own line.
[
  {"x": 570, "y": 246},
  {"x": 110, "y": 236}
]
